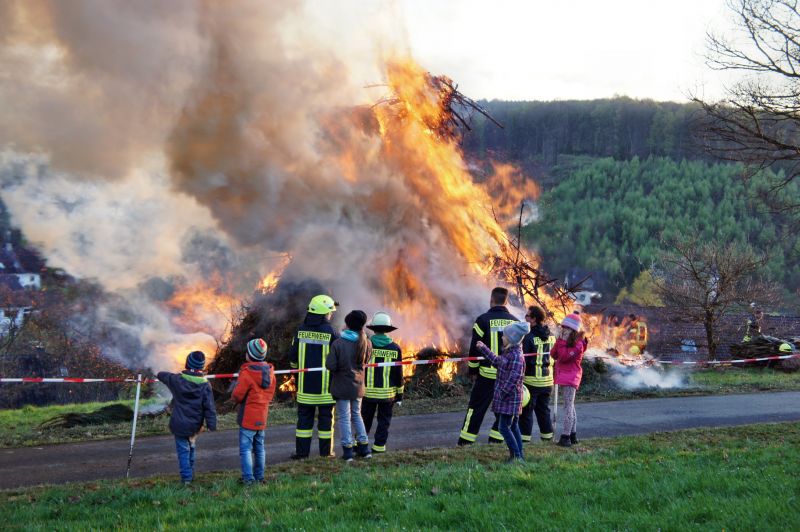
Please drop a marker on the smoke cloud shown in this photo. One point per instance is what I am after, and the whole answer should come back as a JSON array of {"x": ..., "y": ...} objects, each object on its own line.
[{"x": 168, "y": 147}]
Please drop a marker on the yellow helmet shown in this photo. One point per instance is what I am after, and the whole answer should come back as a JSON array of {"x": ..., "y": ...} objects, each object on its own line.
[
  {"x": 322, "y": 304},
  {"x": 526, "y": 396},
  {"x": 785, "y": 347},
  {"x": 634, "y": 350}
]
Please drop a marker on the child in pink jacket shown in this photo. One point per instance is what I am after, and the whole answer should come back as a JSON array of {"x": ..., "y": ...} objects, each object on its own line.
[{"x": 568, "y": 354}]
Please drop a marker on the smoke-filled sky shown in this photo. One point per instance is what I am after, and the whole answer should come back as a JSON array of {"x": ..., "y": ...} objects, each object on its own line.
[{"x": 198, "y": 145}]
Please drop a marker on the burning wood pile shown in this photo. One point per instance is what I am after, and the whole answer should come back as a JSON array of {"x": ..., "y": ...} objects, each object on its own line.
[
  {"x": 273, "y": 315},
  {"x": 421, "y": 281}
]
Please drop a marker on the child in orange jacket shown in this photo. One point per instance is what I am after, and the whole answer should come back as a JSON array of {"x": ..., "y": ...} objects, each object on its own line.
[{"x": 253, "y": 392}]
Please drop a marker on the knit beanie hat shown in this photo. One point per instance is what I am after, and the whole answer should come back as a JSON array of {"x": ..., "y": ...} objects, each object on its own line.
[
  {"x": 196, "y": 360},
  {"x": 257, "y": 350},
  {"x": 515, "y": 332},
  {"x": 573, "y": 321},
  {"x": 355, "y": 320}
]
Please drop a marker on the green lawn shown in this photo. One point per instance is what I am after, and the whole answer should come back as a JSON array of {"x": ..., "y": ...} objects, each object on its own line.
[
  {"x": 741, "y": 478},
  {"x": 21, "y": 427}
]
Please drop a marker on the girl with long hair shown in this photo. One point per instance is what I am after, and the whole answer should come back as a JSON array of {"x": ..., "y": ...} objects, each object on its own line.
[{"x": 346, "y": 363}]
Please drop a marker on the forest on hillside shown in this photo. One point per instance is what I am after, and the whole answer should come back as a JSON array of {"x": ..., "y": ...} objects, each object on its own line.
[
  {"x": 619, "y": 175},
  {"x": 611, "y": 215},
  {"x": 621, "y": 128}
]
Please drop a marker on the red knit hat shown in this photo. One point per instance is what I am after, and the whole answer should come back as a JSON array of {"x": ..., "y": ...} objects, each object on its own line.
[{"x": 573, "y": 321}]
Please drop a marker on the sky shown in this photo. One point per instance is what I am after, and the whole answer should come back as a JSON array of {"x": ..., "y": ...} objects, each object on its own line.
[{"x": 569, "y": 49}]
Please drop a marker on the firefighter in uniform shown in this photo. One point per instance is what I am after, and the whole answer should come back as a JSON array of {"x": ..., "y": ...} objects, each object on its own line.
[
  {"x": 637, "y": 333},
  {"x": 488, "y": 329},
  {"x": 384, "y": 385},
  {"x": 538, "y": 376},
  {"x": 753, "y": 325},
  {"x": 310, "y": 348}
]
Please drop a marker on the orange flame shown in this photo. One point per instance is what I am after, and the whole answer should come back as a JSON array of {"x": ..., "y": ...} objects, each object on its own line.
[
  {"x": 270, "y": 281},
  {"x": 613, "y": 336}
]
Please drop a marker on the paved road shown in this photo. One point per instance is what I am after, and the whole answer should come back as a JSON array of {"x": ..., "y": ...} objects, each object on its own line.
[{"x": 219, "y": 451}]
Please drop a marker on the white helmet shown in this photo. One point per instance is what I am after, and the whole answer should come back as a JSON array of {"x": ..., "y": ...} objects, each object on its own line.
[{"x": 381, "y": 322}]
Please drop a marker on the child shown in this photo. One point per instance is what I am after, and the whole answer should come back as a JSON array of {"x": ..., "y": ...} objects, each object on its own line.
[
  {"x": 507, "y": 398},
  {"x": 346, "y": 364},
  {"x": 192, "y": 402},
  {"x": 568, "y": 354},
  {"x": 254, "y": 391},
  {"x": 384, "y": 385}
]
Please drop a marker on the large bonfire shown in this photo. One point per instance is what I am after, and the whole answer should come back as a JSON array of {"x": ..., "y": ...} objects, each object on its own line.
[{"x": 458, "y": 236}]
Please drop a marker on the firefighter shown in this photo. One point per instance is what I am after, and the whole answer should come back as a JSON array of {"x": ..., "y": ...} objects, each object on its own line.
[
  {"x": 488, "y": 329},
  {"x": 310, "y": 348},
  {"x": 753, "y": 325},
  {"x": 538, "y": 376},
  {"x": 637, "y": 333},
  {"x": 384, "y": 385}
]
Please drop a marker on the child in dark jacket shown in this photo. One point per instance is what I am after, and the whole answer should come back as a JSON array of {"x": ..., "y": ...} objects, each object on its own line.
[
  {"x": 507, "y": 399},
  {"x": 192, "y": 403},
  {"x": 568, "y": 353},
  {"x": 254, "y": 391},
  {"x": 346, "y": 364}
]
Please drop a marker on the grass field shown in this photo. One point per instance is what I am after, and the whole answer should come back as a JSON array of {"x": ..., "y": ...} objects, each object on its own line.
[
  {"x": 741, "y": 478},
  {"x": 20, "y": 427}
]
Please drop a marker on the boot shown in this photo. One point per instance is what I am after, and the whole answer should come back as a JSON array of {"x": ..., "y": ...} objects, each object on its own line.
[
  {"x": 347, "y": 453},
  {"x": 564, "y": 441},
  {"x": 363, "y": 450},
  {"x": 573, "y": 438}
]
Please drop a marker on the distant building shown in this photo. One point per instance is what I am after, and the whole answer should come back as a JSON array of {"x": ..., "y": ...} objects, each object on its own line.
[
  {"x": 14, "y": 274},
  {"x": 19, "y": 271},
  {"x": 585, "y": 284}
]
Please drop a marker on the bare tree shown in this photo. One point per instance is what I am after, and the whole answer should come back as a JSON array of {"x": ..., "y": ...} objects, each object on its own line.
[
  {"x": 758, "y": 122},
  {"x": 709, "y": 279}
]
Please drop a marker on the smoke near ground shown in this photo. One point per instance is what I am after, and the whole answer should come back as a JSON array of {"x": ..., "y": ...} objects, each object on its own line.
[
  {"x": 186, "y": 149},
  {"x": 640, "y": 374}
]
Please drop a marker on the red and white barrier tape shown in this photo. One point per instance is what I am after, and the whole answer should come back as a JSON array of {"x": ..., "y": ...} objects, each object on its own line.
[
  {"x": 727, "y": 362},
  {"x": 400, "y": 363}
]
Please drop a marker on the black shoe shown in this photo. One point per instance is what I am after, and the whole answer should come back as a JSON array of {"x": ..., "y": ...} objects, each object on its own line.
[
  {"x": 573, "y": 438},
  {"x": 462, "y": 442},
  {"x": 492, "y": 440},
  {"x": 347, "y": 454},
  {"x": 363, "y": 450},
  {"x": 296, "y": 456},
  {"x": 564, "y": 441},
  {"x": 243, "y": 482}
]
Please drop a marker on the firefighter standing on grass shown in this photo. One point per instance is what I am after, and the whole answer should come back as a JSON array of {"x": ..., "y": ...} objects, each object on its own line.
[
  {"x": 310, "y": 348},
  {"x": 538, "y": 376},
  {"x": 384, "y": 385},
  {"x": 488, "y": 329}
]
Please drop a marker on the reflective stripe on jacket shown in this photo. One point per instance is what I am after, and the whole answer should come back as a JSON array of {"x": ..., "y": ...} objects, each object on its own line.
[
  {"x": 385, "y": 384},
  {"x": 310, "y": 348},
  {"x": 539, "y": 368}
]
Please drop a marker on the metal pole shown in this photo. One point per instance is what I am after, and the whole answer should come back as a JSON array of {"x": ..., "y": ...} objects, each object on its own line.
[
  {"x": 135, "y": 417},
  {"x": 555, "y": 408}
]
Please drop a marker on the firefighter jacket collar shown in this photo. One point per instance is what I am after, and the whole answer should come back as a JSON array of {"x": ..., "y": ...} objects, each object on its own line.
[
  {"x": 380, "y": 340},
  {"x": 314, "y": 320}
]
